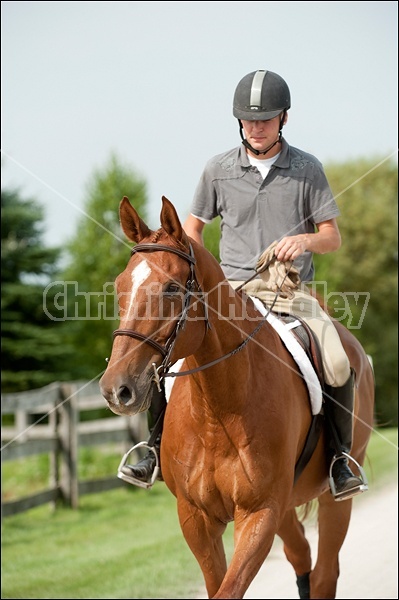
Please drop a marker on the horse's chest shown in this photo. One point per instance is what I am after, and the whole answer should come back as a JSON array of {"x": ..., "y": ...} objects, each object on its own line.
[
  {"x": 217, "y": 464},
  {"x": 223, "y": 477}
]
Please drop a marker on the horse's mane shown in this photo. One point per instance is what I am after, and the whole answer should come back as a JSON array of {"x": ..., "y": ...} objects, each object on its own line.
[{"x": 156, "y": 236}]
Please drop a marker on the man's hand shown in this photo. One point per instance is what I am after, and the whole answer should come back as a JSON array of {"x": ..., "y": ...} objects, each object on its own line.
[
  {"x": 290, "y": 247},
  {"x": 279, "y": 277}
]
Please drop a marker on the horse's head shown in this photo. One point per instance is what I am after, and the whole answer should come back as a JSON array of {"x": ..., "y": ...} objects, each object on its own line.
[{"x": 159, "y": 302}]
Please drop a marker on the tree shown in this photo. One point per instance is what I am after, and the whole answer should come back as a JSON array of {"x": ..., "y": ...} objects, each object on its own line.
[
  {"x": 363, "y": 275},
  {"x": 211, "y": 235},
  {"x": 32, "y": 355},
  {"x": 97, "y": 254}
]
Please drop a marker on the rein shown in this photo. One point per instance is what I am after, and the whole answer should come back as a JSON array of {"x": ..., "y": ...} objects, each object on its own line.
[{"x": 163, "y": 370}]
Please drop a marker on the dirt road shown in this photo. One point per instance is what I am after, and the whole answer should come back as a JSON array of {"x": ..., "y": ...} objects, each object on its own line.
[{"x": 368, "y": 558}]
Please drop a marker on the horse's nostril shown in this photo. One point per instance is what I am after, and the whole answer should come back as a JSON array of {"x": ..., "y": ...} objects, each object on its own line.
[{"x": 124, "y": 394}]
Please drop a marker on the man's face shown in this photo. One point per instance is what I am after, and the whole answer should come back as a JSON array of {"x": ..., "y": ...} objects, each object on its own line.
[{"x": 261, "y": 134}]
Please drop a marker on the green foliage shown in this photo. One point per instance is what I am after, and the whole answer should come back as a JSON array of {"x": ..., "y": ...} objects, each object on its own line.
[
  {"x": 32, "y": 355},
  {"x": 362, "y": 275},
  {"x": 98, "y": 253},
  {"x": 211, "y": 235},
  {"x": 381, "y": 463}
]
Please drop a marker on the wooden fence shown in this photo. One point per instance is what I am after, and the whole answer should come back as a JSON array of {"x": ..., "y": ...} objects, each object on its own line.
[{"x": 60, "y": 405}]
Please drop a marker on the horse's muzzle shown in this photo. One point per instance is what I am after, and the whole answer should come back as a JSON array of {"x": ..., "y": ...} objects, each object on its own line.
[{"x": 127, "y": 396}]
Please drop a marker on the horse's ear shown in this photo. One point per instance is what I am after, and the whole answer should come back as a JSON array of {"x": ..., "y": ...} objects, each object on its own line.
[
  {"x": 133, "y": 226},
  {"x": 170, "y": 220}
]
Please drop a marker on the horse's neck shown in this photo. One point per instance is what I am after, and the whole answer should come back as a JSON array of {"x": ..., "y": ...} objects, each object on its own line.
[
  {"x": 233, "y": 315},
  {"x": 227, "y": 351}
]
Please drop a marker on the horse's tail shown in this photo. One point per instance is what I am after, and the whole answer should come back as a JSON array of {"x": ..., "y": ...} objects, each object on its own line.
[{"x": 305, "y": 511}]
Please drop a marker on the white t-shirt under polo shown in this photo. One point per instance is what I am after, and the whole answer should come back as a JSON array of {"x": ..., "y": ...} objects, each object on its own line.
[{"x": 263, "y": 165}]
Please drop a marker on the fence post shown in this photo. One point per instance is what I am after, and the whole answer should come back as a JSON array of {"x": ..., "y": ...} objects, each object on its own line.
[
  {"x": 68, "y": 443},
  {"x": 54, "y": 475},
  {"x": 21, "y": 422}
]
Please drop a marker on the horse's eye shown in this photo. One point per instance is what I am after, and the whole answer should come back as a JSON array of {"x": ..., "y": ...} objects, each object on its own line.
[{"x": 172, "y": 289}]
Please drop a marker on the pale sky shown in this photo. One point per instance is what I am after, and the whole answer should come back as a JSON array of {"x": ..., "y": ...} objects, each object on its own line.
[{"x": 153, "y": 82}]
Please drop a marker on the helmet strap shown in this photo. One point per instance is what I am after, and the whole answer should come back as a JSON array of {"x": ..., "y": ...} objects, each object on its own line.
[{"x": 257, "y": 152}]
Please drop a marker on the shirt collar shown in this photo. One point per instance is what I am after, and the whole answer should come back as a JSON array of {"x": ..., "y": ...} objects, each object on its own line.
[{"x": 283, "y": 160}]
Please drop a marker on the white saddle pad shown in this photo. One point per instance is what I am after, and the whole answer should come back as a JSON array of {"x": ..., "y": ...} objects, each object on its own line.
[{"x": 298, "y": 354}]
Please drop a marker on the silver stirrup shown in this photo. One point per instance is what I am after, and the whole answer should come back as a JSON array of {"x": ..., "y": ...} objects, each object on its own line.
[
  {"x": 346, "y": 494},
  {"x": 130, "y": 478}
]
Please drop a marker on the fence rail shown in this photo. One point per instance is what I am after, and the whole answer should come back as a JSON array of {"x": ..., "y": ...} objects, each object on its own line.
[{"x": 49, "y": 421}]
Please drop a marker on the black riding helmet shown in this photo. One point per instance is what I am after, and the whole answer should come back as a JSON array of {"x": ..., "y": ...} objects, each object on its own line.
[{"x": 261, "y": 96}]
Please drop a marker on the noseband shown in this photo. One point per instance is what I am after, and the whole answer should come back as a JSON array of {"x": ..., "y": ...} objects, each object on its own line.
[{"x": 192, "y": 282}]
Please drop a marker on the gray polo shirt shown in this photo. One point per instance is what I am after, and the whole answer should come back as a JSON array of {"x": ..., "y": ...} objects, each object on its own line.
[{"x": 292, "y": 199}]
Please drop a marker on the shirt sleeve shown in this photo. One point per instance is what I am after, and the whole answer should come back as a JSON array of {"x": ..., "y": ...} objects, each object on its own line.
[
  {"x": 204, "y": 205},
  {"x": 321, "y": 202}
]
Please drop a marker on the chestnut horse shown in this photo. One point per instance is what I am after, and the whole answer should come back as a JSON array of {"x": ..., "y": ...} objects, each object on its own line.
[{"x": 238, "y": 415}]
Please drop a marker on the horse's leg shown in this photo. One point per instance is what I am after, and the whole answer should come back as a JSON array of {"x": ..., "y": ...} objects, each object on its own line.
[
  {"x": 204, "y": 538},
  {"x": 297, "y": 550},
  {"x": 333, "y": 523},
  {"x": 253, "y": 538}
]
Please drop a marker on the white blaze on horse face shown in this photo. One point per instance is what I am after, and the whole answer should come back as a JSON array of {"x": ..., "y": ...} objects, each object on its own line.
[{"x": 139, "y": 275}]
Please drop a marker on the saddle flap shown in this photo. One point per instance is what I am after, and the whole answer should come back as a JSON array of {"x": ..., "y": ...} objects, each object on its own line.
[{"x": 309, "y": 342}]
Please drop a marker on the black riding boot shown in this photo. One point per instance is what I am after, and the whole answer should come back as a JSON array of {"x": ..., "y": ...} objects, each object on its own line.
[
  {"x": 144, "y": 469},
  {"x": 339, "y": 412}
]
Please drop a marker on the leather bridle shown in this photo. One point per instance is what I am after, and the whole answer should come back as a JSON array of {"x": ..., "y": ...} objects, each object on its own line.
[{"x": 192, "y": 283}]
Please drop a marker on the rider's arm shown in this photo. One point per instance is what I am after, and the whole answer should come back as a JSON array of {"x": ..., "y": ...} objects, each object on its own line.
[
  {"x": 194, "y": 227},
  {"x": 326, "y": 239}
]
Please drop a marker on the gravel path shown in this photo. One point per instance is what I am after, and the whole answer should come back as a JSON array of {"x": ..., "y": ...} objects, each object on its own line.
[{"x": 368, "y": 558}]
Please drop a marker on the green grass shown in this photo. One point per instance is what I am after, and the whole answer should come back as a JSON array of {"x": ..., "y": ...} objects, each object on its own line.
[
  {"x": 120, "y": 544},
  {"x": 125, "y": 543}
]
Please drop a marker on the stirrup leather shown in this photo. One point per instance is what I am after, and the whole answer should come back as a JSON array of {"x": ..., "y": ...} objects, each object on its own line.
[
  {"x": 346, "y": 494},
  {"x": 130, "y": 478}
]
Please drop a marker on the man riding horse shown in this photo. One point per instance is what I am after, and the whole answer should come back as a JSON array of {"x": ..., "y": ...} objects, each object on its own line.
[{"x": 266, "y": 190}]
